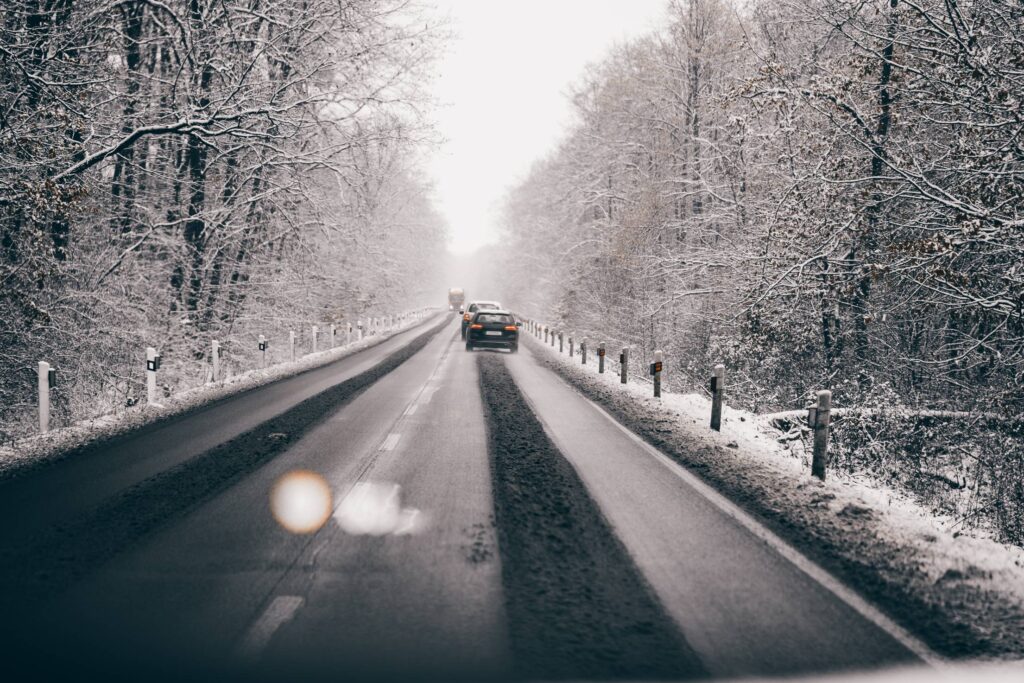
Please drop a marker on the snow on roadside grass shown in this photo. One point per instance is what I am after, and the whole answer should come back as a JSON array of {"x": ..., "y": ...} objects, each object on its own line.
[
  {"x": 937, "y": 566},
  {"x": 31, "y": 451}
]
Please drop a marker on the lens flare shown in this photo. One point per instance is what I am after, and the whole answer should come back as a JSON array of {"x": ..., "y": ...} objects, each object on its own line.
[
  {"x": 375, "y": 509},
  {"x": 301, "y": 501}
]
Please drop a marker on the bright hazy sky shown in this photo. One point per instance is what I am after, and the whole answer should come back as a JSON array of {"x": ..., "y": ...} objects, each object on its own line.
[{"x": 502, "y": 87}]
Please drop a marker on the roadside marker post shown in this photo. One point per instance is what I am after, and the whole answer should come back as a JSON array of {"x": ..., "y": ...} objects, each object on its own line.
[
  {"x": 552, "y": 339},
  {"x": 359, "y": 330},
  {"x": 263, "y": 351},
  {"x": 291, "y": 344},
  {"x": 822, "y": 415},
  {"x": 570, "y": 347},
  {"x": 316, "y": 333},
  {"x": 215, "y": 358},
  {"x": 334, "y": 333},
  {"x": 152, "y": 365},
  {"x": 44, "y": 397},
  {"x": 624, "y": 365},
  {"x": 561, "y": 342},
  {"x": 348, "y": 334},
  {"x": 600, "y": 358},
  {"x": 583, "y": 350},
  {"x": 545, "y": 334},
  {"x": 717, "y": 391},
  {"x": 656, "y": 367}
]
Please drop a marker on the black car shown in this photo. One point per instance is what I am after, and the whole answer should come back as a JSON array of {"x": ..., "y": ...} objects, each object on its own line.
[
  {"x": 473, "y": 307},
  {"x": 493, "y": 330}
]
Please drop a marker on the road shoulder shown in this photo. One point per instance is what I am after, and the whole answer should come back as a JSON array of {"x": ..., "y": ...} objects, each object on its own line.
[{"x": 954, "y": 616}]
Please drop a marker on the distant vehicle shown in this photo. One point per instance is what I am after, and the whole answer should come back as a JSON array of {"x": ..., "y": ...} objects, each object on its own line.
[
  {"x": 473, "y": 307},
  {"x": 493, "y": 328},
  {"x": 456, "y": 297}
]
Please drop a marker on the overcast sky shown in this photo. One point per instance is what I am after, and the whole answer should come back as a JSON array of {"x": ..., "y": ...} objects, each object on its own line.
[{"x": 502, "y": 87}]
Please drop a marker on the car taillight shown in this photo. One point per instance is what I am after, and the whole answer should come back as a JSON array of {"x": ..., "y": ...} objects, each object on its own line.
[
  {"x": 476, "y": 326},
  {"x": 511, "y": 328}
]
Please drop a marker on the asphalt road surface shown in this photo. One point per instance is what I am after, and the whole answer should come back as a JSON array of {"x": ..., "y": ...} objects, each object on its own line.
[{"x": 477, "y": 519}]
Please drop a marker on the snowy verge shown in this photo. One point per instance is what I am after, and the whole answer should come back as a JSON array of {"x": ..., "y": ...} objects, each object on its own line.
[
  {"x": 30, "y": 452},
  {"x": 963, "y": 596}
]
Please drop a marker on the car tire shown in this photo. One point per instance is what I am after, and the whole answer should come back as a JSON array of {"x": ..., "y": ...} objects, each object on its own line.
[
  {"x": 469, "y": 347},
  {"x": 514, "y": 348}
]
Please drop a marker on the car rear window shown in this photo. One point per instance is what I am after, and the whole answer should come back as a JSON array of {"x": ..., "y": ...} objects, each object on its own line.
[{"x": 494, "y": 318}]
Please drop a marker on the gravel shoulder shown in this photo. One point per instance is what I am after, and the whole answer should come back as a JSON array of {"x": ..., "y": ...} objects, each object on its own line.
[{"x": 948, "y": 591}]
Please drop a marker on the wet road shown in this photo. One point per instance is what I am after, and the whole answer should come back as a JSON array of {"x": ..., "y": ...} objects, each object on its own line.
[{"x": 408, "y": 576}]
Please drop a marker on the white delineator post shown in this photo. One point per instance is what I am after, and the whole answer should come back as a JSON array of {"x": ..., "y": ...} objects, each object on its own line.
[
  {"x": 717, "y": 393},
  {"x": 822, "y": 418},
  {"x": 359, "y": 330},
  {"x": 291, "y": 344},
  {"x": 659, "y": 359},
  {"x": 263, "y": 351},
  {"x": 150, "y": 375},
  {"x": 44, "y": 397},
  {"x": 600, "y": 357},
  {"x": 316, "y": 333},
  {"x": 215, "y": 359},
  {"x": 624, "y": 365},
  {"x": 348, "y": 334},
  {"x": 334, "y": 332}
]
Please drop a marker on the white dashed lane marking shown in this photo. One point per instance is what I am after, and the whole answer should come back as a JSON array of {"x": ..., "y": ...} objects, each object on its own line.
[
  {"x": 390, "y": 442},
  {"x": 280, "y": 611}
]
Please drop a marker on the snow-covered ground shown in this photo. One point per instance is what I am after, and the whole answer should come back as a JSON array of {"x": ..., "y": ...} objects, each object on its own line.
[
  {"x": 748, "y": 458},
  {"x": 29, "y": 451}
]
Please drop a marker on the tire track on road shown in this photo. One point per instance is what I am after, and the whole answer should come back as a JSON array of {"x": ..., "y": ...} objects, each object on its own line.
[{"x": 577, "y": 606}]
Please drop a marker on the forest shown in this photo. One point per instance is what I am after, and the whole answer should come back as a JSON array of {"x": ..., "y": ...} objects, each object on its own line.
[
  {"x": 178, "y": 171},
  {"x": 820, "y": 194}
]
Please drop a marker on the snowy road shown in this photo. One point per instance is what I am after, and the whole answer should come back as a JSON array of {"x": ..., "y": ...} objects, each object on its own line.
[{"x": 431, "y": 578}]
